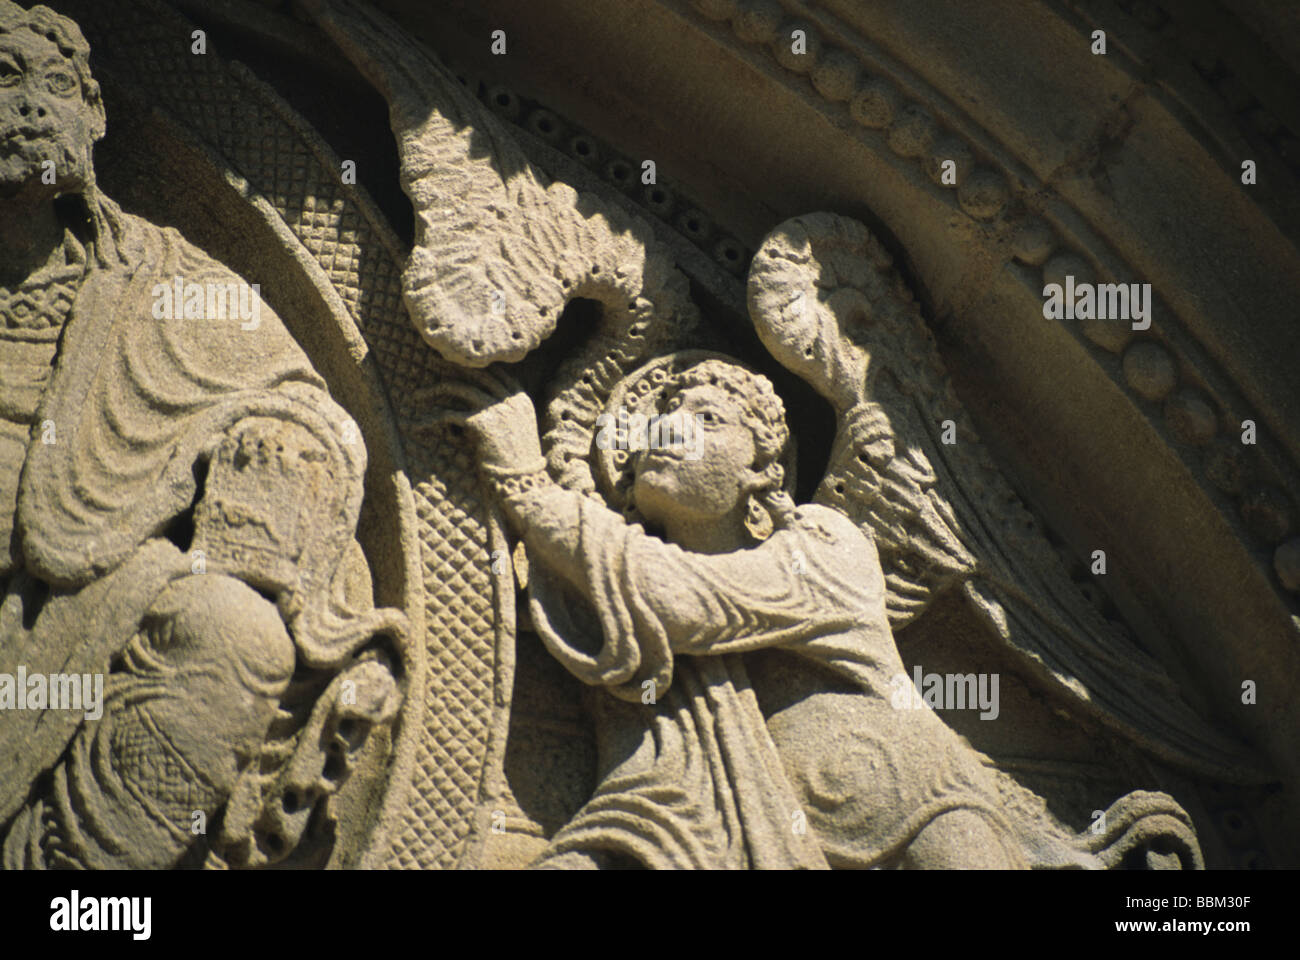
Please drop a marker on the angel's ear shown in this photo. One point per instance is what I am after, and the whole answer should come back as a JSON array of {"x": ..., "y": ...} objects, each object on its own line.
[
  {"x": 759, "y": 480},
  {"x": 759, "y": 488}
]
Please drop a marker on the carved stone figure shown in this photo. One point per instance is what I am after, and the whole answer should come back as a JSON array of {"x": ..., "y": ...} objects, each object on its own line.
[
  {"x": 118, "y": 419},
  {"x": 811, "y": 761},
  {"x": 694, "y": 772},
  {"x": 666, "y": 475}
]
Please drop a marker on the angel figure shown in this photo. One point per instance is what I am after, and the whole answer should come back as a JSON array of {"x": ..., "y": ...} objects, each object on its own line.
[
  {"x": 740, "y": 567},
  {"x": 743, "y": 648},
  {"x": 663, "y": 603}
]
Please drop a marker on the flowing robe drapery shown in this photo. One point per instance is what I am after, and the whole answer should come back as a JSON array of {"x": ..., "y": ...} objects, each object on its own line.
[
  {"x": 136, "y": 400},
  {"x": 133, "y": 403},
  {"x": 699, "y": 778}
]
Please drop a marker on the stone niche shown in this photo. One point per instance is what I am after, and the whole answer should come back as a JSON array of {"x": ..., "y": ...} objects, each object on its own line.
[{"x": 685, "y": 433}]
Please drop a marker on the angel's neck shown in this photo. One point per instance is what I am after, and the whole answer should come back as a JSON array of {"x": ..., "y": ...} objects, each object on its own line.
[{"x": 725, "y": 534}]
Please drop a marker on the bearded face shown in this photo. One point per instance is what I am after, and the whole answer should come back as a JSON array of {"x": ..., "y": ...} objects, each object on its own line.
[{"x": 47, "y": 128}]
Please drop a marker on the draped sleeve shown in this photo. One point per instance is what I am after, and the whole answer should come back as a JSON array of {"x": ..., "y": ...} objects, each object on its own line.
[
  {"x": 706, "y": 787},
  {"x": 652, "y": 599}
]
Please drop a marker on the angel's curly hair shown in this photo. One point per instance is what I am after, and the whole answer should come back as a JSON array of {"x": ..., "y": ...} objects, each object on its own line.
[
  {"x": 770, "y": 507},
  {"x": 64, "y": 34}
]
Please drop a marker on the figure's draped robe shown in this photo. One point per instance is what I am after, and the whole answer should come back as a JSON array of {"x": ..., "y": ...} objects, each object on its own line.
[
  {"x": 132, "y": 403},
  {"x": 699, "y": 778}
]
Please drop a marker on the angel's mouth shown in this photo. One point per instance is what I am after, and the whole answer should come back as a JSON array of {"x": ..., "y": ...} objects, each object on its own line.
[{"x": 663, "y": 455}]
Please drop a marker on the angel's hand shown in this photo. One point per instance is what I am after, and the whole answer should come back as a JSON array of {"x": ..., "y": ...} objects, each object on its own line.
[
  {"x": 496, "y": 413},
  {"x": 506, "y": 431}
]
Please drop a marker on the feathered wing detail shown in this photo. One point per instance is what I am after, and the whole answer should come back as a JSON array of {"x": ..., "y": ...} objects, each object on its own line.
[
  {"x": 829, "y": 306},
  {"x": 498, "y": 252}
]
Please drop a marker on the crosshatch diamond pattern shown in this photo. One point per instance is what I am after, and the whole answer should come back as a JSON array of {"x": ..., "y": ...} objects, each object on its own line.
[{"x": 262, "y": 140}]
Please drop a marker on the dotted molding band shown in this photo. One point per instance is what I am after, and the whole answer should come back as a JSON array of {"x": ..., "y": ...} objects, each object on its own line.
[{"x": 1171, "y": 390}]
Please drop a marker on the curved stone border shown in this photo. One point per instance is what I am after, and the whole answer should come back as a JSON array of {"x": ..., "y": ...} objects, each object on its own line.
[
  {"x": 1252, "y": 118},
  {"x": 663, "y": 200},
  {"x": 1153, "y": 369}
]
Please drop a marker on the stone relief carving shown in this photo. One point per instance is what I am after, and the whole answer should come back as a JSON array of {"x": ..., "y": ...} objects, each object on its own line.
[
  {"x": 1154, "y": 367},
  {"x": 128, "y": 427},
  {"x": 739, "y": 652},
  {"x": 828, "y": 305},
  {"x": 497, "y": 253},
  {"x": 668, "y": 616},
  {"x": 736, "y": 568}
]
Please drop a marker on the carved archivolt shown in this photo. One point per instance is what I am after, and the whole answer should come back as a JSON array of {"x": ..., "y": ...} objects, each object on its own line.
[{"x": 1188, "y": 396}]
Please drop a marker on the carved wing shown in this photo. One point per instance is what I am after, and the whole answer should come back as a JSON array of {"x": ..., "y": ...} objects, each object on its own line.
[
  {"x": 498, "y": 252},
  {"x": 829, "y": 306}
]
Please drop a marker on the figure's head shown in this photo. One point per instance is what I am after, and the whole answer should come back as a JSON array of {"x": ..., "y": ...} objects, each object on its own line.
[
  {"x": 736, "y": 426},
  {"x": 50, "y": 106}
]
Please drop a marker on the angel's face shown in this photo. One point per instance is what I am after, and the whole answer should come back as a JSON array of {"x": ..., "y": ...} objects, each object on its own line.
[
  {"x": 706, "y": 480},
  {"x": 45, "y": 124}
]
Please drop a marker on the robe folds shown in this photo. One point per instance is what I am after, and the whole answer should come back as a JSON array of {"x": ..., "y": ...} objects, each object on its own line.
[
  {"x": 701, "y": 777},
  {"x": 134, "y": 402}
]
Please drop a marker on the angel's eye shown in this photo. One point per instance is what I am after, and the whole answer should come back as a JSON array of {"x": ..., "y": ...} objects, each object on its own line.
[
  {"x": 709, "y": 418},
  {"x": 60, "y": 83},
  {"x": 673, "y": 404}
]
